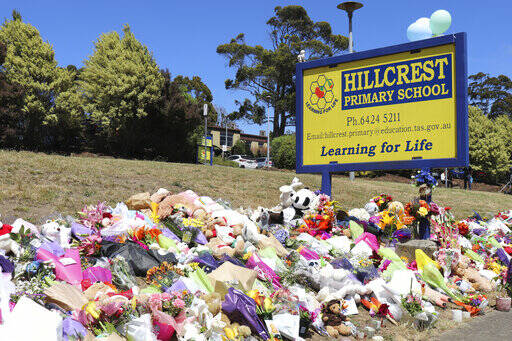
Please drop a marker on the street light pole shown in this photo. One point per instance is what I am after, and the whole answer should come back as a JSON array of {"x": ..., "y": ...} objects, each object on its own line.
[
  {"x": 267, "y": 163},
  {"x": 226, "y": 138},
  {"x": 350, "y": 7}
]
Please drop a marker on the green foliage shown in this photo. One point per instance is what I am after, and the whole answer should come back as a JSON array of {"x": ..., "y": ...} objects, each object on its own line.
[
  {"x": 240, "y": 148},
  {"x": 267, "y": 74},
  {"x": 283, "y": 151},
  {"x": 11, "y": 104},
  {"x": 30, "y": 62},
  {"x": 120, "y": 81},
  {"x": 493, "y": 95},
  {"x": 489, "y": 145}
]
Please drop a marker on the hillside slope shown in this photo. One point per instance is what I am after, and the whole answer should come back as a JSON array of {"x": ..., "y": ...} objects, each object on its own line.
[{"x": 34, "y": 185}]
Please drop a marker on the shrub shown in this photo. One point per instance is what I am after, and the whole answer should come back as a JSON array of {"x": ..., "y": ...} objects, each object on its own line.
[
  {"x": 240, "y": 148},
  {"x": 283, "y": 151}
]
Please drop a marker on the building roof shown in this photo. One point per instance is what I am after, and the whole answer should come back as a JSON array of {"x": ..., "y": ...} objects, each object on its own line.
[
  {"x": 250, "y": 137},
  {"x": 216, "y": 127}
]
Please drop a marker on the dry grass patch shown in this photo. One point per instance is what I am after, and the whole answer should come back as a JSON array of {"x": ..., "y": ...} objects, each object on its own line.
[{"x": 33, "y": 185}]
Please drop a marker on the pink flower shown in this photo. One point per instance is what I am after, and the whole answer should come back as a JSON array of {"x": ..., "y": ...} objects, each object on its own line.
[
  {"x": 144, "y": 246},
  {"x": 179, "y": 303}
]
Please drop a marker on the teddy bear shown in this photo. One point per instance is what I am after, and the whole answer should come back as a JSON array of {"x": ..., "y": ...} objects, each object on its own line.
[
  {"x": 214, "y": 303},
  {"x": 333, "y": 319},
  {"x": 56, "y": 232},
  {"x": 209, "y": 228},
  {"x": 463, "y": 269},
  {"x": 219, "y": 247}
]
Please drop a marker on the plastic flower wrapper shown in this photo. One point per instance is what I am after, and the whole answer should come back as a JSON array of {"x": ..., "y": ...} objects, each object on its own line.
[
  {"x": 97, "y": 274},
  {"x": 72, "y": 330},
  {"x": 264, "y": 271},
  {"x": 285, "y": 301},
  {"x": 122, "y": 274},
  {"x": 434, "y": 278},
  {"x": 201, "y": 279},
  {"x": 207, "y": 262},
  {"x": 140, "y": 328},
  {"x": 242, "y": 309},
  {"x": 396, "y": 262},
  {"x": 445, "y": 259}
]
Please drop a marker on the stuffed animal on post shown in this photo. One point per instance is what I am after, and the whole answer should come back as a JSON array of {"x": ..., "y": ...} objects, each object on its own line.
[
  {"x": 285, "y": 210},
  {"x": 301, "y": 201},
  {"x": 287, "y": 191},
  {"x": 333, "y": 319}
]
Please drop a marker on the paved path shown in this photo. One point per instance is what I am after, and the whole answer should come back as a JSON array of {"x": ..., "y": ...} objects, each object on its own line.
[{"x": 495, "y": 325}]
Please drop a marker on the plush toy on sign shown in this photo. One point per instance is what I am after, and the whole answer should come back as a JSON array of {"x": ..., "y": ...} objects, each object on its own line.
[{"x": 293, "y": 203}]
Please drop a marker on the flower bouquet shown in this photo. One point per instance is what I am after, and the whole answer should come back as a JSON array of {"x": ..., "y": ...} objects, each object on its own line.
[
  {"x": 122, "y": 274},
  {"x": 164, "y": 275},
  {"x": 382, "y": 201},
  {"x": 420, "y": 212},
  {"x": 306, "y": 318},
  {"x": 264, "y": 305}
]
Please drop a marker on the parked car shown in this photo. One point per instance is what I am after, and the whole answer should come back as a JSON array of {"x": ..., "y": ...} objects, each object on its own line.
[
  {"x": 262, "y": 162},
  {"x": 244, "y": 161}
]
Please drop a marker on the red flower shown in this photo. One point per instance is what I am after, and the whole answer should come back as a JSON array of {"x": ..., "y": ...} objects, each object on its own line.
[
  {"x": 5, "y": 229},
  {"x": 508, "y": 249},
  {"x": 383, "y": 310},
  {"x": 463, "y": 228}
]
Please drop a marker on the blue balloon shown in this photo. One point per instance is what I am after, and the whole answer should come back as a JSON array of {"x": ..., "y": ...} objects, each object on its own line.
[{"x": 420, "y": 29}]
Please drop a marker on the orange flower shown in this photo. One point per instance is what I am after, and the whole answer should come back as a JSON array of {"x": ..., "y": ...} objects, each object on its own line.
[
  {"x": 154, "y": 233},
  {"x": 139, "y": 233},
  {"x": 121, "y": 238}
]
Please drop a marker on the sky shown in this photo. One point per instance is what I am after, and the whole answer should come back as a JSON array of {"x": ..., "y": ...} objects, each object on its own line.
[{"x": 184, "y": 35}]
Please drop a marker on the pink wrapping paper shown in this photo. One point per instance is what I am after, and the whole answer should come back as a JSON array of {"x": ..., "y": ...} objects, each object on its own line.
[{"x": 71, "y": 273}]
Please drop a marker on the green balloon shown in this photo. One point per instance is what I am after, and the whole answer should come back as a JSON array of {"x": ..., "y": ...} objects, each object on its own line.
[{"x": 440, "y": 21}]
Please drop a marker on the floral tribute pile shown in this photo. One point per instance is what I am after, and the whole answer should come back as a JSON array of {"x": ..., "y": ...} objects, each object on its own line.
[{"x": 183, "y": 266}]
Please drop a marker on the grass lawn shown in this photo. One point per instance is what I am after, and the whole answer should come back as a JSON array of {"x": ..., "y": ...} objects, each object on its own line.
[{"x": 34, "y": 185}]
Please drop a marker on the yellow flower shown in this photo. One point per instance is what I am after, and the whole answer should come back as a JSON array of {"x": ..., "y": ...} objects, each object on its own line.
[
  {"x": 253, "y": 293},
  {"x": 423, "y": 211},
  {"x": 231, "y": 333},
  {"x": 268, "y": 305},
  {"x": 92, "y": 309}
]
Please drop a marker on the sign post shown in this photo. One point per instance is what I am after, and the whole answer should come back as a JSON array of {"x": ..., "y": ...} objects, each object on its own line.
[{"x": 398, "y": 107}]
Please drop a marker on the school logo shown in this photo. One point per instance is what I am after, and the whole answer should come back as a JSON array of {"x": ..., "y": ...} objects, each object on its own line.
[{"x": 321, "y": 99}]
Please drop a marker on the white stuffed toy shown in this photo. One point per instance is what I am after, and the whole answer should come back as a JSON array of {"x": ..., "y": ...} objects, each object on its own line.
[
  {"x": 56, "y": 232},
  {"x": 359, "y": 213},
  {"x": 287, "y": 192},
  {"x": 9, "y": 245},
  {"x": 371, "y": 208}
]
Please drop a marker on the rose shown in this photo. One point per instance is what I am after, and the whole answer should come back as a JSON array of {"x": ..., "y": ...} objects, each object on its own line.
[
  {"x": 422, "y": 211},
  {"x": 178, "y": 303}
]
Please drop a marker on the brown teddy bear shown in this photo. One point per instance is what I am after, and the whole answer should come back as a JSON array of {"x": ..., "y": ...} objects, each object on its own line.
[
  {"x": 214, "y": 302},
  {"x": 333, "y": 319},
  {"x": 219, "y": 248},
  {"x": 463, "y": 269}
]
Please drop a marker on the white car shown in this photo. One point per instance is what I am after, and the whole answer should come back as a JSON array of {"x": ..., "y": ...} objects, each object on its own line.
[{"x": 244, "y": 161}]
